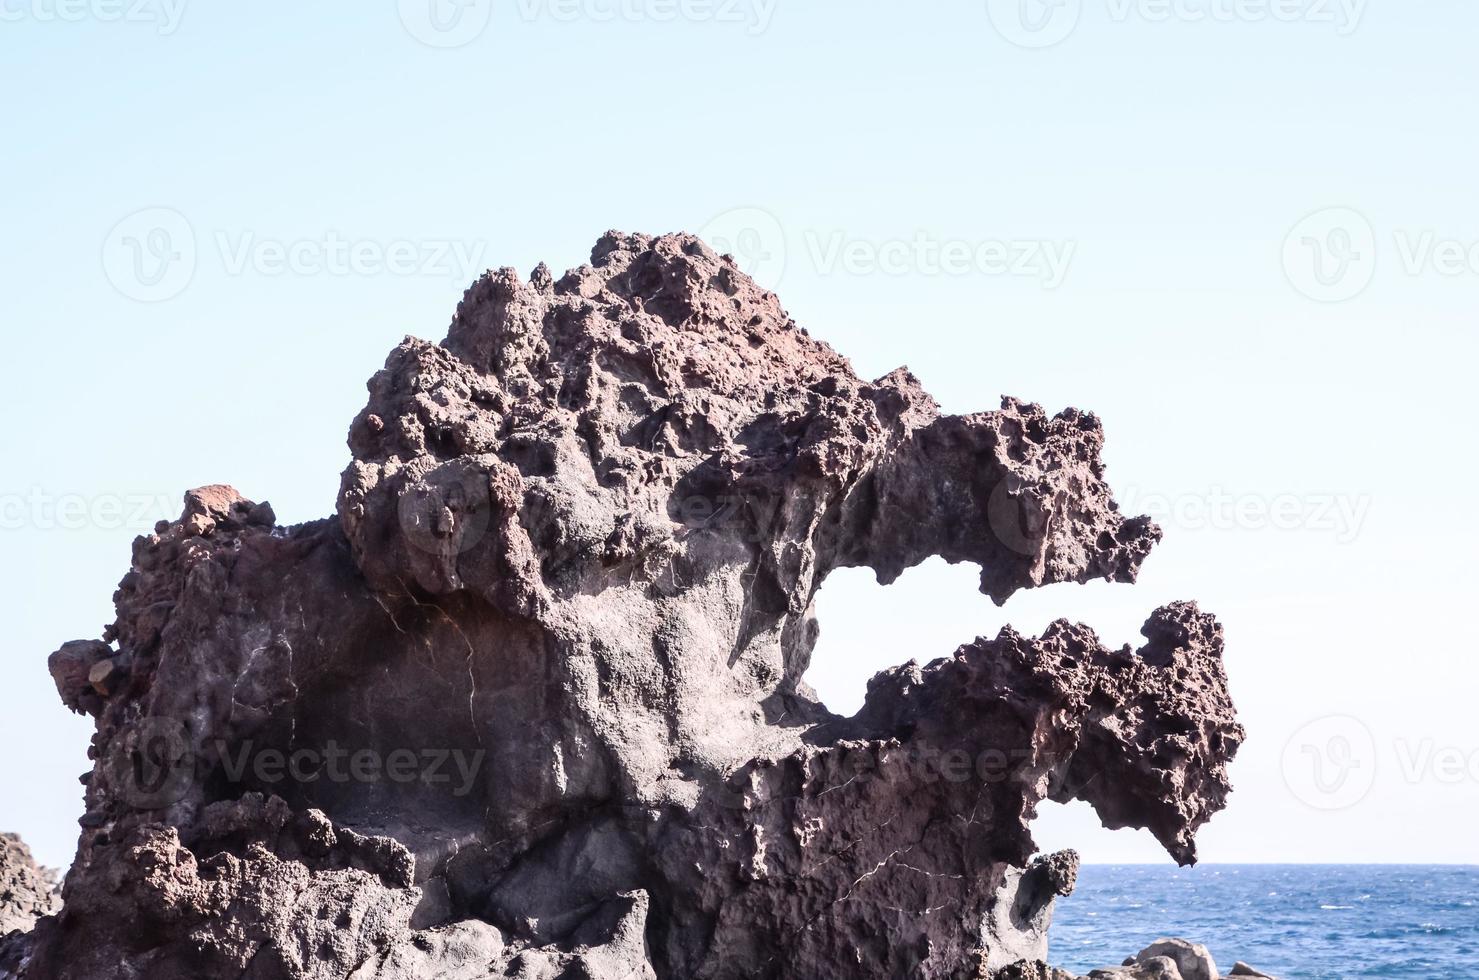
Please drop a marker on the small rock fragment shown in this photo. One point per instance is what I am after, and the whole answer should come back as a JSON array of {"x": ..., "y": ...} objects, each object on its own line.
[{"x": 71, "y": 670}]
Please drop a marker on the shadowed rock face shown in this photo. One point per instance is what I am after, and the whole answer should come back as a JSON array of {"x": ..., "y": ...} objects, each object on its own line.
[{"x": 532, "y": 703}]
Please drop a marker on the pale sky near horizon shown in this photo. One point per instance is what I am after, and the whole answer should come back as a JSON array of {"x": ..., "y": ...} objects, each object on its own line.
[{"x": 1245, "y": 233}]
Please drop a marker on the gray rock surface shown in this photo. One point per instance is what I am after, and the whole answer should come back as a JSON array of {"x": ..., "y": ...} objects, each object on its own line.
[
  {"x": 534, "y": 699},
  {"x": 27, "y": 890},
  {"x": 1030, "y": 970},
  {"x": 1017, "y": 925},
  {"x": 1192, "y": 959},
  {"x": 1149, "y": 968},
  {"x": 1166, "y": 959}
]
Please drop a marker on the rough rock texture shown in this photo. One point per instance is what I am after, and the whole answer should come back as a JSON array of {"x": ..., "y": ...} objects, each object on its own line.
[
  {"x": 27, "y": 890},
  {"x": 1193, "y": 960},
  {"x": 562, "y": 618},
  {"x": 1165, "y": 959},
  {"x": 1149, "y": 968},
  {"x": 1017, "y": 925}
]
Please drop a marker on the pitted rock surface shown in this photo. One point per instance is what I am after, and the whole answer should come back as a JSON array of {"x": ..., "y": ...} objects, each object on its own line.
[
  {"x": 568, "y": 595},
  {"x": 27, "y": 890}
]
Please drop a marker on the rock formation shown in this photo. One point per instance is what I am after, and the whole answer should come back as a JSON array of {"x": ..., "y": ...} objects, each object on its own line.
[
  {"x": 532, "y": 704},
  {"x": 27, "y": 890},
  {"x": 1166, "y": 959},
  {"x": 1193, "y": 960}
]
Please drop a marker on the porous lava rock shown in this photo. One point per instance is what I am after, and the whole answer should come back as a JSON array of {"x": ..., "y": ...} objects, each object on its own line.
[{"x": 532, "y": 704}]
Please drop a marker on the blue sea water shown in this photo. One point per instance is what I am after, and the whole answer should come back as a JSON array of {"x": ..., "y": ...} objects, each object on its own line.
[{"x": 1293, "y": 921}]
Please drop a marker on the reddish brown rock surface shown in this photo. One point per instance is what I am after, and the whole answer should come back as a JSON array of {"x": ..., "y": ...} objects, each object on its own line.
[{"x": 568, "y": 596}]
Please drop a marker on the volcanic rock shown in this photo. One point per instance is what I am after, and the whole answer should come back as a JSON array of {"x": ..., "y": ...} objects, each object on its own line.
[
  {"x": 1192, "y": 959},
  {"x": 1150, "y": 968},
  {"x": 27, "y": 890},
  {"x": 533, "y": 702}
]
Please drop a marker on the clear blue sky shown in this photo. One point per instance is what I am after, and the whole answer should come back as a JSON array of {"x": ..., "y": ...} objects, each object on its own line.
[{"x": 1133, "y": 220}]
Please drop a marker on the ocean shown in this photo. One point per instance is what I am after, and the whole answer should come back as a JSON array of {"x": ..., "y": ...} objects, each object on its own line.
[{"x": 1293, "y": 921}]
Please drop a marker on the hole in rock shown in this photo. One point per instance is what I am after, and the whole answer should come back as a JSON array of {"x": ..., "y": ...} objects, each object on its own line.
[
  {"x": 935, "y": 607},
  {"x": 1075, "y": 825}
]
